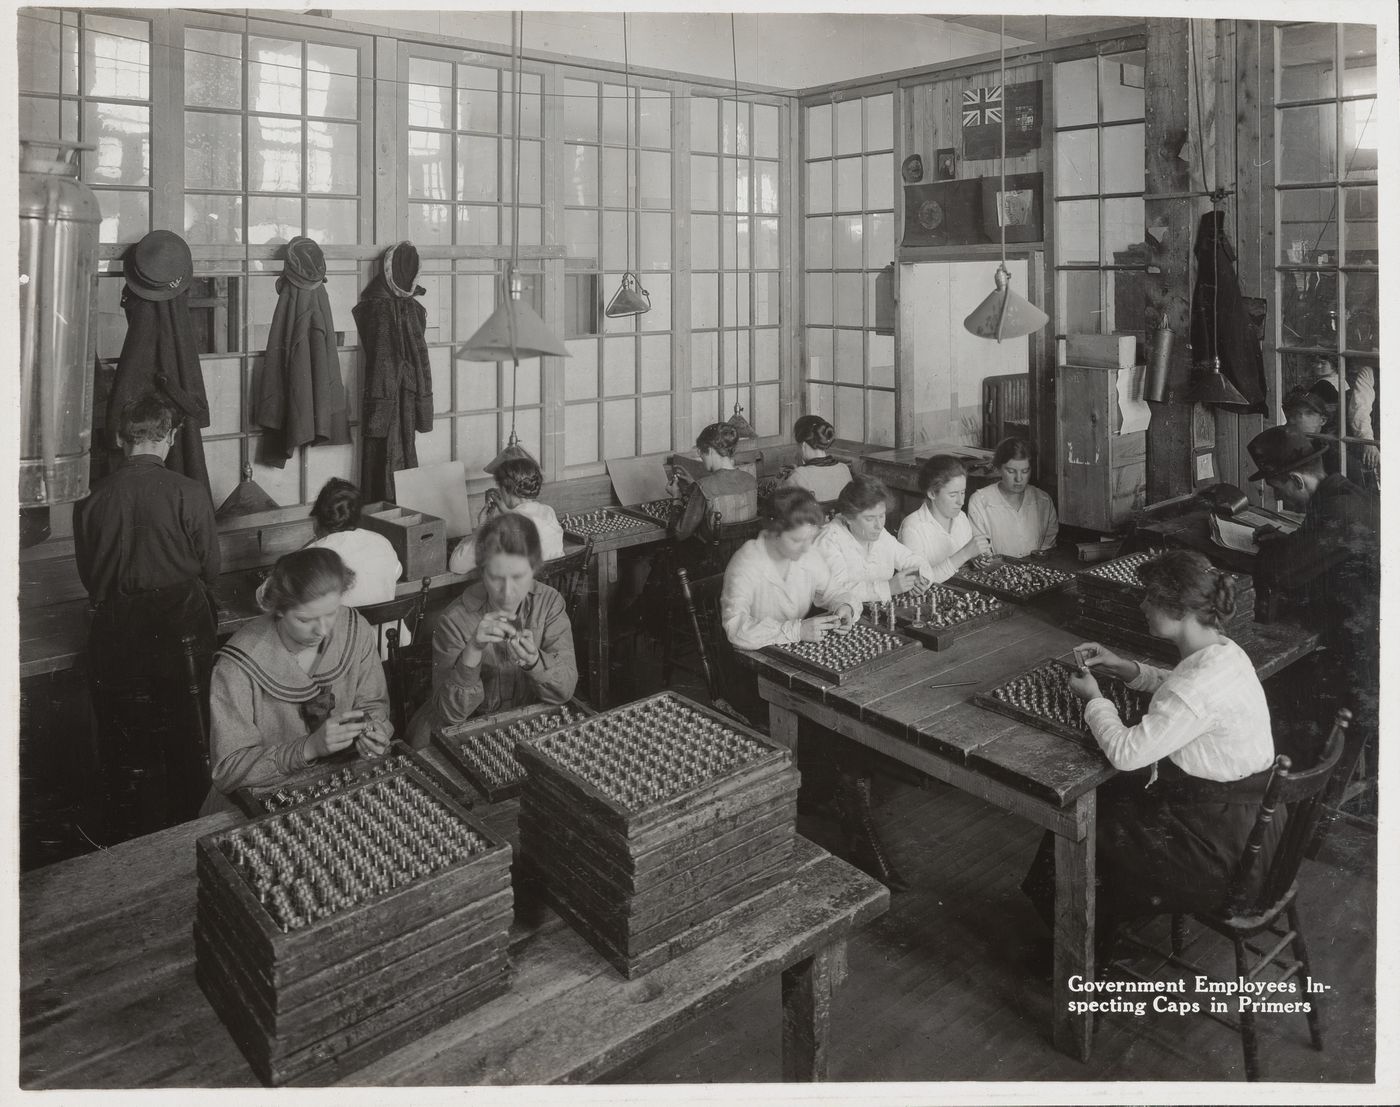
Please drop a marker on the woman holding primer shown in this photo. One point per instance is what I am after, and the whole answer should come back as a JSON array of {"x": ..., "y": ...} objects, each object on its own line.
[
  {"x": 939, "y": 531},
  {"x": 1168, "y": 839},
  {"x": 1018, "y": 517},
  {"x": 518, "y": 484},
  {"x": 820, "y": 473},
  {"x": 301, "y": 682},
  {"x": 856, "y": 542}
]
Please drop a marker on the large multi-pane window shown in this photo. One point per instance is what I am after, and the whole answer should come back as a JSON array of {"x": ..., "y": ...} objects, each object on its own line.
[
  {"x": 1326, "y": 132},
  {"x": 618, "y": 217},
  {"x": 848, "y": 368},
  {"x": 735, "y": 261},
  {"x": 1100, "y": 249}
]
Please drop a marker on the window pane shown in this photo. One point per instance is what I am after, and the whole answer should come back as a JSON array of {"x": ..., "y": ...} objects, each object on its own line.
[
  {"x": 850, "y": 354},
  {"x": 849, "y": 233},
  {"x": 616, "y": 125},
  {"x": 126, "y": 216},
  {"x": 1076, "y": 92},
  {"x": 1307, "y": 62},
  {"x": 116, "y": 57},
  {"x": 581, "y": 234},
  {"x": 429, "y": 173},
  {"x": 704, "y": 297},
  {"x": 881, "y": 359},
  {"x": 765, "y": 354},
  {"x": 221, "y": 459},
  {"x": 765, "y": 130},
  {"x": 273, "y": 218},
  {"x": 820, "y": 400},
  {"x": 1363, "y": 312},
  {"x": 734, "y": 173},
  {"x": 530, "y": 162},
  {"x": 1307, "y": 224},
  {"x": 477, "y": 100},
  {"x": 1127, "y": 301},
  {"x": 40, "y": 42},
  {"x": 581, "y": 175},
  {"x": 614, "y": 193},
  {"x": 848, "y": 193},
  {"x": 850, "y": 413},
  {"x": 476, "y": 226},
  {"x": 704, "y": 359},
  {"x": 819, "y": 131},
  {"x": 702, "y": 408},
  {"x": 765, "y": 187},
  {"x": 735, "y": 299},
  {"x": 619, "y": 365},
  {"x": 848, "y": 127},
  {"x": 39, "y": 118},
  {"x": 1077, "y": 162},
  {"x": 879, "y": 429},
  {"x": 1122, "y": 82},
  {"x": 122, "y": 135},
  {"x": 274, "y": 154},
  {"x": 879, "y": 122},
  {"x": 656, "y": 424},
  {"x": 333, "y": 221},
  {"x": 734, "y": 127},
  {"x": 1358, "y": 59},
  {"x": 656, "y": 118},
  {"x": 1078, "y": 230},
  {"x": 333, "y": 157},
  {"x": 274, "y": 75},
  {"x": 654, "y": 189},
  {"x": 659, "y": 317},
  {"x": 474, "y": 438},
  {"x": 213, "y": 152},
  {"x": 704, "y": 184},
  {"x": 819, "y": 344},
  {"x": 1307, "y": 143},
  {"x": 818, "y": 253},
  {"x": 1080, "y": 310},
  {"x": 734, "y": 248},
  {"x": 704, "y": 242},
  {"x": 1123, "y": 169},
  {"x": 615, "y": 231},
  {"x": 580, "y": 109},
  {"x": 213, "y": 69},
  {"x": 819, "y": 178},
  {"x": 212, "y": 219},
  {"x": 704, "y": 124},
  {"x": 879, "y": 240},
  {"x": 1309, "y": 309},
  {"x": 530, "y": 96},
  {"x": 765, "y": 244},
  {"x": 332, "y": 88},
  {"x": 1123, "y": 241},
  {"x": 850, "y": 300},
  {"x": 429, "y": 93},
  {"x": 1361, "y": 214},
  {"x": 767, "y": 305},
  {"x": 879, "y": 181},
  {"x": 430, "y": 224},
  {"x": 818, "y": 298},
  {"x": 656, "y": 363},
  {"x": 655, "y": 248},
  {"x": 1360, "y": 135},
  {"x": 581, "y": 371}
]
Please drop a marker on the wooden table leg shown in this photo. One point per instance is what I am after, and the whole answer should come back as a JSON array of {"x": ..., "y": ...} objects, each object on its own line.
[
  {"x": 1074, "y": 930},
  {"x": 605, "y": 576},
  {"x": 782, "y": 727},
  {"x": 808, "y": 987}
]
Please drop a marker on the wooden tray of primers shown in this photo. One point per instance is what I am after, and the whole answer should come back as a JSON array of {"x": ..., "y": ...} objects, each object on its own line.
[
  {"x": 333, "y": 775},
  {"x": 656, "y": 511},
  {"x": 1041, "y": 697},
  {"x": 607, "y": 522},
  {"x": 1014, "y": 578},
  {"x": 942, "y": 615},
  {"x": 483, "y": 750},
  {"x": 330, "y": 933},
  {"x": 838, "y": 658}
]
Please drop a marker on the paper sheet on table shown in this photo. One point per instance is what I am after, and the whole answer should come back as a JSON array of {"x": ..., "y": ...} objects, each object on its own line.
[
  {"x": 638, "y": 480},
  {"x": 1136, "y": 414},
  {"x": 1233, "y": 535},
  {"x": 1257, "y": 517},
  {"x": 439, "y": 490}
]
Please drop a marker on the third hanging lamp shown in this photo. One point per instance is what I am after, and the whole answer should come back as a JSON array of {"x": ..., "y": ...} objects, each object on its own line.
[
  {"x": 630, "y": 298},
  {"x": 514, "y": 330},
  {"x": 736, "y": 419},
  {"x": 1004, "y": 313}
]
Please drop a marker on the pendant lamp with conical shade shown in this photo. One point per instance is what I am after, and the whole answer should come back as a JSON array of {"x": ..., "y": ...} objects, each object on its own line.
[
  {"x": 630, "y": 298},
  {"x": 514, "y": 330},
  {"x": 736, "y": 417},
  {"x": 1004, "y": 314},
  {"x": 1210, "y": 385}
]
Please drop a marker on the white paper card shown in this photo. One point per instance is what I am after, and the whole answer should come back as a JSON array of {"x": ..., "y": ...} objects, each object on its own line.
[
  {"x": 637, "y": 480},
  {"x": 439, "y": 490},
  {"x": 1134, "y": 409}
]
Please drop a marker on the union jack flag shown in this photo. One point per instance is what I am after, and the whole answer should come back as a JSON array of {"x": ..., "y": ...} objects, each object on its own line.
[{"x": 981, "y": 106}]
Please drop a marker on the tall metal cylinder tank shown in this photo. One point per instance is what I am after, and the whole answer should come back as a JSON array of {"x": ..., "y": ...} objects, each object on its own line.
[{"x": 59, "y": 220}]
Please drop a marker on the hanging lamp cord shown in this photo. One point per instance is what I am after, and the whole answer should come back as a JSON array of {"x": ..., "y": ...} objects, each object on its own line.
[
  {"x": 517, "y": 43},
  {"x": 627, "y": 141},
  {"x": 1001, "y": 196},
  {"x": 734, "y": 60}
]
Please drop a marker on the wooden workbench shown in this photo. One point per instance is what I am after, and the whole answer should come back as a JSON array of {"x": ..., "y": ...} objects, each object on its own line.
[
  {"x": 1043, "y": 777},
  {"x": 109, "y": 999}
]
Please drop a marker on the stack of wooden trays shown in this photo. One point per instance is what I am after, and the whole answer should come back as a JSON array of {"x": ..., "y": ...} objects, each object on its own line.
[
  {"x": 1110, "y": 594},
  {"x": 644, "y": 823},
  {"x": 483, "y": 750},
  {"x": 323, "y": 778},
  {"x": 333, "y": 933}
]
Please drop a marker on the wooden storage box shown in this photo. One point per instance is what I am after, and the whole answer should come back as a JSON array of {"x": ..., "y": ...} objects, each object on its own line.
[
  {"x": 1102, "y": 474},
  {"x": 419, "y": 539}
]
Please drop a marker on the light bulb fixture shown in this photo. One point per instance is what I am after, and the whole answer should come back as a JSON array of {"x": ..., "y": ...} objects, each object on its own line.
[
  {"x": 630, "y": 298},
  {"x": 736, "y": 417},
  {"x": 514, "y": 330},
  {"x": 1004, "y": 313}
]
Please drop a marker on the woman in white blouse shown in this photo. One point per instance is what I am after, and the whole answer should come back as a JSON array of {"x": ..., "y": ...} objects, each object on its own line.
[
  {"x": 1168, "y": 839},
  {"x": 939, "y": 531},
  {"x": 368, "y": 555},
  {"x": 1018, "y": 517},
  {"x": 518, "y": 484},
  {"x": 772, "y": 581},
  {"x": 856, "y": 542}
]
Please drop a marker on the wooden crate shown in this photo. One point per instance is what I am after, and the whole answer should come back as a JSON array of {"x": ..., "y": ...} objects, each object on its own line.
[
  {"x": 331, "y": 775},
  {"x": 483, "y": 750},
  {"x": 914, "y": 621},
  {"x": 1014, "y": 578},
  {"x": 824, "y": 659},
  {"x": 1065, "y": 715},
  {"x": 306, "y": 997},
  {"x": 419, "y": 539},
  {"x": 1102, "y": 473}
]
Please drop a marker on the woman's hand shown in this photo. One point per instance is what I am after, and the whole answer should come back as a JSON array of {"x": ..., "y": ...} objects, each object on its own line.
[
  {"x": 373, "y": 740},
  {"x": 523, "y": 649},
  {"x": 336, "y": 734},
  {"x": 847, "y": 616},
  {"x": 980, "y": 546},
  {"x": 815, "y": 628},
  {"x": 1085, "y": 686},
  {"x": 906, "y": 580},
  {"x": 1101, "y": 657}
]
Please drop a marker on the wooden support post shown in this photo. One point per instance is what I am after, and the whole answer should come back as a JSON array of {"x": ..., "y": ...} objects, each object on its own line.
[
  {"x": 1074, "y": 930},
  {"x": 807, "y": 992},
  {"x": 782, "y": 727}
]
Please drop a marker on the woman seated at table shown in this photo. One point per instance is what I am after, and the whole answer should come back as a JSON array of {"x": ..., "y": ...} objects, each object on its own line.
[
  {"x": 1018, "y": 517},
  {"x": 723, "y": 490},
  {"x": 772, "y": 581},
  {"x": 856, "y": 542},
  {"x": 368, "y": 555},
  {"x": 939, "y": 531},
  {"x": 820, "y": 473},
  {"x": 301, "y": 682},
  {"x": 518, "y": 484},
  {"x": 505, "y": 641},
  {"x": 1168, "y": 839}
]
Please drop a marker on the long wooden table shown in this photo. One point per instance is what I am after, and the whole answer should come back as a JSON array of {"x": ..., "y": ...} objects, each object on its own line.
[
  {"x": 109, "y": 999},
  {"x": 1043, "y": 777}
]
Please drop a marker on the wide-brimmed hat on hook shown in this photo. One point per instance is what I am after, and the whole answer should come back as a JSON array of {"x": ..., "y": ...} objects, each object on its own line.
[
  {"x": 159, "y": 267},
  {"x": 305, "y": 264}
]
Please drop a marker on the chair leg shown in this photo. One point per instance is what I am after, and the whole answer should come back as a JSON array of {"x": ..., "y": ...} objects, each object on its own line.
[
  {"x": 1251, "y": 1044},
  {"x": 1300, "y": 951}
]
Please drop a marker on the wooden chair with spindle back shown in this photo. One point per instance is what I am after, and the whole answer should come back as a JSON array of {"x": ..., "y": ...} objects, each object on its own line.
[
  {"x": 197, "y": 664},
  {"x": 1245, "y": 915},
  {"x": 716, "y": 655},
  {"x": 568, "y": 575},
  {"x": 407, "y": 667}
]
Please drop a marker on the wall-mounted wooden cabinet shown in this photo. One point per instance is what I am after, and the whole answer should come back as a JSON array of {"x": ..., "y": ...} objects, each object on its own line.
[{"x": 1102, "y": 473}]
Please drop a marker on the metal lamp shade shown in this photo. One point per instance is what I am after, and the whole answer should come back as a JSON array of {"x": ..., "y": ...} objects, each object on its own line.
[
  {"x": 513, "y": 331},
  {"x": 1005, "y": 314},
  {"x": 629, "y": 299},
  {"x": 512, "y": 450},
  {"x": 1211, "y": 387},
  {"x": 740, "y": 424}
]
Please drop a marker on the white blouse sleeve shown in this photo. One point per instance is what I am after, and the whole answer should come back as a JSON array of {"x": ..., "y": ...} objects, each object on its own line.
[
  {"x": 905, "y": 558},
  {"x": 1170, "y": 724},
  {"x": 978, "y": 514},
  {"x": 737, "y": 601},
  {"x": 834, "y": 589}
]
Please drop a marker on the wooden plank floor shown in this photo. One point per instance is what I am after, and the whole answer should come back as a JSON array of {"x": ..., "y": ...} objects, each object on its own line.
[{"x": 947, "y": 985}]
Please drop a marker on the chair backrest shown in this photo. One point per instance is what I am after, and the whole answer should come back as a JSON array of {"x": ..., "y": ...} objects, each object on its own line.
[
  {"x": 1301, "y": 793},
  {"x": 566, "y": 575},
  {"x": 407, "y": 609},
  {"x": 702, "y": 609},
  {"x": 196, "y": 663}
]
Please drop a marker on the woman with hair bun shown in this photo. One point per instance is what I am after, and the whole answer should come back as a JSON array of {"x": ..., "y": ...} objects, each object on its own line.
[
  {"x": 820, "y": 473},
  {"x": 301, "y": 682},
  {"x": 723, "y": 490},
  {"x": 940, "y": 531},
  {"x": 368, "y": 555},
  {"x": 1168, "y": 840},
  {"x": 518, "y": 484},
  {"x": 877, "y": 564},
  {"x": 1017, "y": 516}
]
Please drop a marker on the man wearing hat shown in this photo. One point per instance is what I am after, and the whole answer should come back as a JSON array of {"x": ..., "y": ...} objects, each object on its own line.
[
  {"x": 1329, "y": 570},
  {"x": 146, "y": 549}
]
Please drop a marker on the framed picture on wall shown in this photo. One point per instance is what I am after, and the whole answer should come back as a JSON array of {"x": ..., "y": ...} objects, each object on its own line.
[{"x": 1019, "y": 207}]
